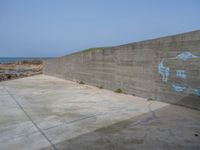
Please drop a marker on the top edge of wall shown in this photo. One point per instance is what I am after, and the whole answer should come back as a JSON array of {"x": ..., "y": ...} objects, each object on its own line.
[{"x": 163, "y": 38}]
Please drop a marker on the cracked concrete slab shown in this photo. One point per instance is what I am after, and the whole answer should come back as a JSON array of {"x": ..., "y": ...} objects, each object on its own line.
[{"x": 43, "y": 112}]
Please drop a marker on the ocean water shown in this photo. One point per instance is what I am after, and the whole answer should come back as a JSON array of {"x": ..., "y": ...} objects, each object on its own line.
[{"x": 5, "y": 60}]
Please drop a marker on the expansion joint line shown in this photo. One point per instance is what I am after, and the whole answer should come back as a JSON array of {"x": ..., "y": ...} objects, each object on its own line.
[{"x": 21, "y": 107}]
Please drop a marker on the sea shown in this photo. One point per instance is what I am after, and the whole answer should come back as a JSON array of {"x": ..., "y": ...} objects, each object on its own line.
[{"x": 6, "y": 60}]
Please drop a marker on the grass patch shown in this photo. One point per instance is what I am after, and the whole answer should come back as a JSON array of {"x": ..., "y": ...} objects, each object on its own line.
[
  {"x": 118, "y": 91},
  {"x": 100, "y": 87},
  {"x": 91, "y": 49},
  {"x": 81, "y": 82},
  {"x": 150, "y": 99}
]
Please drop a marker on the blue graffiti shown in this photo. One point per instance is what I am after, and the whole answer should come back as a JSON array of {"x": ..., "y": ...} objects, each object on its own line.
[
  {"x": 178, "y": 88},
  {"x": 196, "y": 92},
  {"x": 185, "y": 56},
  {"x": 164, "y": 71},
  {"x": 181, "y": 74}
]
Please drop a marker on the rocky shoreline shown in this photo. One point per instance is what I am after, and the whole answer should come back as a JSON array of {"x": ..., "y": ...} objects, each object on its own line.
[{"x": 20, "y": 69}]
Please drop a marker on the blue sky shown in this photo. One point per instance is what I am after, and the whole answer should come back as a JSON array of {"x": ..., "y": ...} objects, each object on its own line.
[{"x": 36, "y": 28}]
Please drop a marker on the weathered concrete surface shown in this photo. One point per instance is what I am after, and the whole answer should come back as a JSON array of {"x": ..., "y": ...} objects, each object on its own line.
[
  {"x": 43, "y": 112},
  {"x": 166, "y": 69}
]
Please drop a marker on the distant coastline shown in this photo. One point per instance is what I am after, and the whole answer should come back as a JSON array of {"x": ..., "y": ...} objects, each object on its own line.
[{"x": 8, "y": 60}]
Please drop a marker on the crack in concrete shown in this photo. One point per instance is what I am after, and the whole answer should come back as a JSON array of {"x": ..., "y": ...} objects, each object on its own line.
[
  {"x": 139, "y": 122},
  {"x": 77, "y": 120},
  {"x": 81, "y": 119},
  {"x": 153, "y": 112}
]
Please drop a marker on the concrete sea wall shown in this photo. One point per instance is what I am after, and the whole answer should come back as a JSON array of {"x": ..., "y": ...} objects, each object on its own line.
[{"x": 166, "y": 69}]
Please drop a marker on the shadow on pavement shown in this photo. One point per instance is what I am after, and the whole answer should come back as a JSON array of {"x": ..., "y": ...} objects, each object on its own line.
[{"x": 171, "y": 127}]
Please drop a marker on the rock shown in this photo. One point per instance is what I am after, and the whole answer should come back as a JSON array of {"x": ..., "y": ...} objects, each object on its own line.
[{"x": 20, "y": 69}]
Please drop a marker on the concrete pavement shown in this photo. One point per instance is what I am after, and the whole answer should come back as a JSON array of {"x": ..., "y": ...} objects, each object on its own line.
[{"x": 43, "y": 112}]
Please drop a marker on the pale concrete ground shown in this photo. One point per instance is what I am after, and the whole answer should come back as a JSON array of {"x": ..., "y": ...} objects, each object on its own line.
[{"x": 43, "y": 112}]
